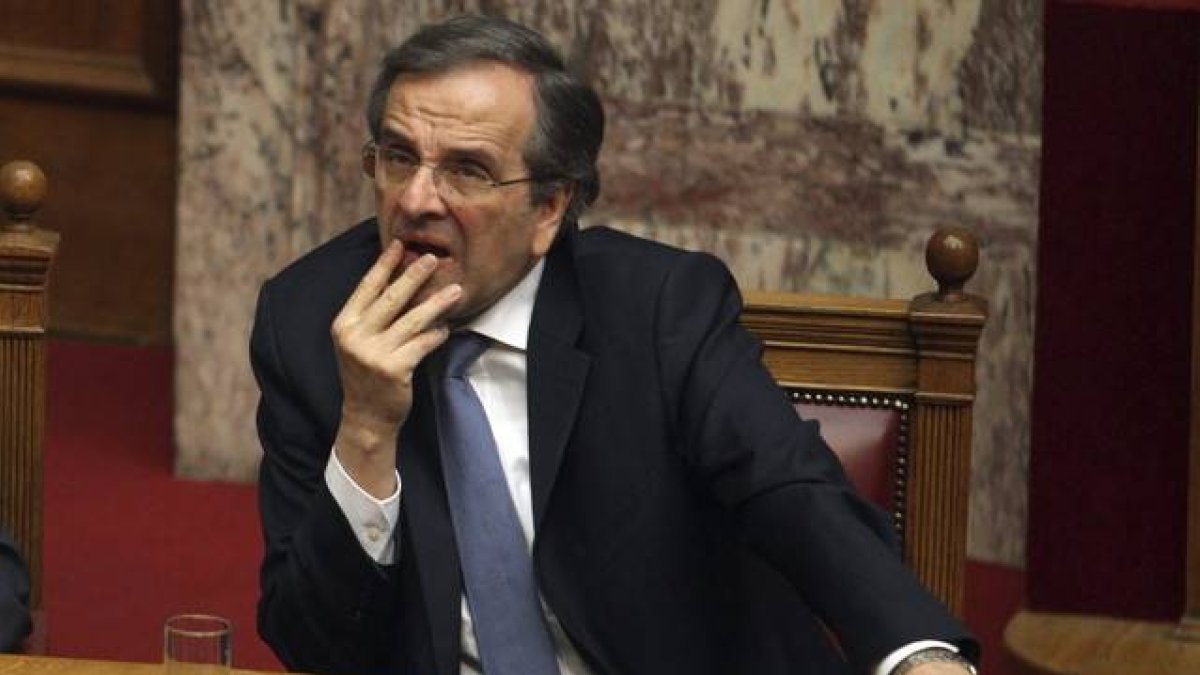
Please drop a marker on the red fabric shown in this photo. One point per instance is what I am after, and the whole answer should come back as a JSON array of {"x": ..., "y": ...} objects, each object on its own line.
[
  {"x": 1161, "y": 5},
  {"x": 865, "y": 440},
  {"x": 1108, "y": 466},
  {"x": 126, "y": 544},
  {"x": 994, "y": 594}
]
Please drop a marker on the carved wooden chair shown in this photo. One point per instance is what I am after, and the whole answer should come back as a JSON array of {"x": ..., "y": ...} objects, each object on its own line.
[
  {"x": 26, "y": 253},
  {"x": 892, "y": 383}
]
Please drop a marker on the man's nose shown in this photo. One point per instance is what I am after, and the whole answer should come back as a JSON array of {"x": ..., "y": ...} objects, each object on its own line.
[{"x": 419, "y": 197}]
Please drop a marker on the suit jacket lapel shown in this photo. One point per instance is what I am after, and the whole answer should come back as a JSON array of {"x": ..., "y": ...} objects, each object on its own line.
[
  {"x": 557, "y": 371},
  {"x": 432, "y": 535}
]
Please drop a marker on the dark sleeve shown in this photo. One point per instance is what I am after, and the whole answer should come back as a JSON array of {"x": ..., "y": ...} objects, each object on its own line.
[
  {"x": 794, "y": 505},
  {"x": 14, "y": 596},
  {"x": 326, "y": 606}
]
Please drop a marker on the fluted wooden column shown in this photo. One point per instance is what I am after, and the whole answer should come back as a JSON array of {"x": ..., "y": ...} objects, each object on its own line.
[
  {"x": 946, "y": 326},
  {"x": 26, "y": 255}
]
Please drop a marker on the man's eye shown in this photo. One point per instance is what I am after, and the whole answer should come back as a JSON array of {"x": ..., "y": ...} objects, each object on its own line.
[
  {"x": 469, "y": 172},
  {"x": 397, "y": 157}
]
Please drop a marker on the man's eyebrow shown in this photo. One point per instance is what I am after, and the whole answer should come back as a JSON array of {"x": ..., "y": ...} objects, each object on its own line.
[
  {"x": 393, "y": 137},
  {"x": 472, "y": 154}
]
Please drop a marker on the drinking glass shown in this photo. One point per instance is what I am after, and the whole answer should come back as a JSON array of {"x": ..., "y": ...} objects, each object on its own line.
[{"x": 197, "y": 644}]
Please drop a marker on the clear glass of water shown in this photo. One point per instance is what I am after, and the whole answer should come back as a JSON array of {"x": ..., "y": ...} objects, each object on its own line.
[{"x": 197, "y": 644}]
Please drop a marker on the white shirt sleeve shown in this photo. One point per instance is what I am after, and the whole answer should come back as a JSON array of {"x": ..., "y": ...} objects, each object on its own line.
[
  {"x": 373, "y": 520},
  {"x": 889, "y": 664}
]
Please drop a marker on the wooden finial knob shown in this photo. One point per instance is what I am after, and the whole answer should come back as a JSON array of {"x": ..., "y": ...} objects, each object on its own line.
[
  {"x": 952, "y": 256},
  {"x": 22, "y": 191}
]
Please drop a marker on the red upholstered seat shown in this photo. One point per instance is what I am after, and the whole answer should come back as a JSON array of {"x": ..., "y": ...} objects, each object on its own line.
[{"x": 867, "y": 441}]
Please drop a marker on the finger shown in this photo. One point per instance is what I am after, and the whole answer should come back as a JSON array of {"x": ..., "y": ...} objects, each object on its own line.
[
  {"x": 429, "y": 314},
  {"x": 421, "y": 345},
  {"x": 384, "y": 309},
  {"x": 376, "y": 279}
]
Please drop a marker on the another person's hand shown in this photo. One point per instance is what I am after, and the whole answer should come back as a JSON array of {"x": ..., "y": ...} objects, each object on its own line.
[{"x": 379, "y": 340}]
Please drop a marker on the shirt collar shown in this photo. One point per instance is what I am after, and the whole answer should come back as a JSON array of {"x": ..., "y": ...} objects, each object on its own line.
[{"x": 507, "y": 320}]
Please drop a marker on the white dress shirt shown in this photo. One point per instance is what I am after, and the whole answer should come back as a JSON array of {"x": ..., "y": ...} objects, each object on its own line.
[{"x": 499, "y": 379}]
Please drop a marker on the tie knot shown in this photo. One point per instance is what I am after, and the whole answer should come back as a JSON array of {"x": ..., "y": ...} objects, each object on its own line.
[{"x": 461, "y": 350}]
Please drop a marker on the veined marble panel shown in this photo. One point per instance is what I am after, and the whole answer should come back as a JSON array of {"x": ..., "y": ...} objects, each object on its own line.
[
  {"x": 812, "y": 144},
  {"x": 847, "y": 207}
]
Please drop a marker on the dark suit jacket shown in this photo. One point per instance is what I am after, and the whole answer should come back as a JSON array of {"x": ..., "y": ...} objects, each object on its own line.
[
  {"x": 14, "y": 596},
  {"x": 687, "y": 521}
]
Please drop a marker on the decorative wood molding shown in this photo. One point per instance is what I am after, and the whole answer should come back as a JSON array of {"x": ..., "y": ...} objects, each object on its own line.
[{"x": 87, "y": 72}]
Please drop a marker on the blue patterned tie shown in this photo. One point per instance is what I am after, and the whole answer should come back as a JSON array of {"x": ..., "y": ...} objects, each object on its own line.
[{"x": 497, "y": 570}]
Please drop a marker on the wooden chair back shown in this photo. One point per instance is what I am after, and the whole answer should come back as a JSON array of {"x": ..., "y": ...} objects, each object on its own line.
[
  {"x": 26, "y": 254},
  {"x": 892, "y": 383}
]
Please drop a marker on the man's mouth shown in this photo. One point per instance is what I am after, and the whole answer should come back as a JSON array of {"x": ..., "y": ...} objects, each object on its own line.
[{"x": 420, "y": 248}]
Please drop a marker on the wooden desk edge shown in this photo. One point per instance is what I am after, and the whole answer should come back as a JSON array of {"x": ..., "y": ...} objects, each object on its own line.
[
  {"x": 22, "y": 664},
  {"x": 1082, "y": 644}
]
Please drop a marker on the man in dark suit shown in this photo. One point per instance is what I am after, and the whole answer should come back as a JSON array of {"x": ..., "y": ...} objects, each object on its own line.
[
  {"x": 14, "y": 596},
  {"x": 670, "y": 512}
]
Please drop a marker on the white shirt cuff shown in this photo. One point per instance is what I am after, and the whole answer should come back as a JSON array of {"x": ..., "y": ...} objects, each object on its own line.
[
  {"x": 373, "y": 520},
  {"x": 889, "y": 664}
]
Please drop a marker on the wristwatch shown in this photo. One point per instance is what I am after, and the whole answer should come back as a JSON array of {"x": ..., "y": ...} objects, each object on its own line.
[{"x": 932, "y": 655}]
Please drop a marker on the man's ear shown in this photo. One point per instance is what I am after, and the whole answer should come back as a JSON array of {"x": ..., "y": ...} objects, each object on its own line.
[{"x": 549, "y": 216}]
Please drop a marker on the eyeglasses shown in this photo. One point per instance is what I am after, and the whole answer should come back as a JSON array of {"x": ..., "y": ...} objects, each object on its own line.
[{"x": 394, "y": 166}]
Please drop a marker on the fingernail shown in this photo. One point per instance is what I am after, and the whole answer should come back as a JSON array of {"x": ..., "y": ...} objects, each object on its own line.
[
  {"x": 427, "y": 262},
  {"x": 453, "y": 291}
]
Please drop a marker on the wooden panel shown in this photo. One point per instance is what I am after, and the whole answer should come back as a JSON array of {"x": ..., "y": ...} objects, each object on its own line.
[
  {"x": 842, "y": 370},
  {"x": 121, "y": 48},
  {"x": 87, "y": 25},
  {"x": 112, "y": 175},
  {"x": 92, "y": 102}
]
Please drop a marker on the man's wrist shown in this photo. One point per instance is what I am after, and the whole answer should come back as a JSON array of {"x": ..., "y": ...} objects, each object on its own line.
[
  {"x": 367, "y": 452},
  {"x": 933, "y": 655},
  {"x": 366, "y": 433}
]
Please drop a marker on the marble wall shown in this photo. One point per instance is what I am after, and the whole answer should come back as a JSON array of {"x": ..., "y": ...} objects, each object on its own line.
[{"x": 812, "y": 144}]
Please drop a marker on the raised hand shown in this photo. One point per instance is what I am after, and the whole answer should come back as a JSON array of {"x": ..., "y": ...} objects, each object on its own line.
[{"x": 379, "y": 340}]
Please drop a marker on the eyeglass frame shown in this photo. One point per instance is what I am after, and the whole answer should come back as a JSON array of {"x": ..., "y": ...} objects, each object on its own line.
[{"x": 371, "y": 157}]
